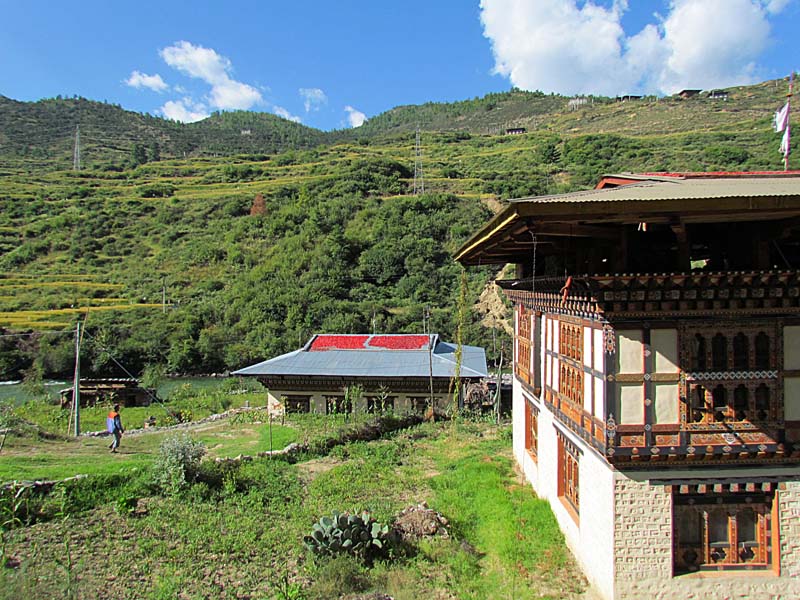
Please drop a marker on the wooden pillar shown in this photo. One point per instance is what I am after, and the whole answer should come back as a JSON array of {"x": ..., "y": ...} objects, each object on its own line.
[
  {"x": 621, "y": 255},
  {"x": 761, "y": 250},
  {"x": 682, "y": 236}
]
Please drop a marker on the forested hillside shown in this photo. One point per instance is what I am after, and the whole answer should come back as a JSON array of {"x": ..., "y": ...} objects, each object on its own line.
[
  {"x": 112, "y": 138},
  {"x": 251, "y": 242}
]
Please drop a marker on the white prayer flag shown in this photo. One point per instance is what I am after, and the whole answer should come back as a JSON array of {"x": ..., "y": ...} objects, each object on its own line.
[
  {"x": 784, "y": 149},
  {"x": 782, "y": 118}
]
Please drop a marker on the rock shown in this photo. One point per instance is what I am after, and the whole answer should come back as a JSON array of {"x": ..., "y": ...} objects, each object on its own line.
[{"x": 420, "y": 521}]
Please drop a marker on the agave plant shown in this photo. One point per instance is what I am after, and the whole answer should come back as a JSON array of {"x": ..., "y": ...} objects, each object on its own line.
[{"x": 359, "y": 535}]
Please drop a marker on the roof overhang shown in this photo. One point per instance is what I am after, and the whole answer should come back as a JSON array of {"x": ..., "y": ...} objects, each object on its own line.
[{"x": 653, "y": 199}]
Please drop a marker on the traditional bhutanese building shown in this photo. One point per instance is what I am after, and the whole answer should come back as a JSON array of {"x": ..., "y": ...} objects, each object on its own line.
[
  {"x": 657, "y": 377},
  {"x": 398, "y": 372}
]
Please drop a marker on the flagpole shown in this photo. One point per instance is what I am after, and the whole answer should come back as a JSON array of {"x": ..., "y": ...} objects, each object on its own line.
[{"x": 788, "y": 123}]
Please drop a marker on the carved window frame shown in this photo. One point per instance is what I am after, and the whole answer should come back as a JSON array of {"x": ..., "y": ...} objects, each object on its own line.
[
  {"x": 714, "y": 516},
  {"x": 297, "y": 403},
  {"x": 731, "y": 397},
  {"x": 569, "y": 474},
  {"x": 531, "y": 430}
]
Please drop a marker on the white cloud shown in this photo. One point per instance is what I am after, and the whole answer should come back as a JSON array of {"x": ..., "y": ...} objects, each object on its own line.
[
  {"x": 152, "y": 82},
  {"x": 716, "y": 41},
  {"x": 313, "y": 98},
  {"x": 205, "y": 64},
  {"x": 355, "y": 117},
  {"x": 776, "y": 6},
  {"x": 184, "y": 110},
  {"x": 282, "y": 112},
  {"x": 580, "y": 47}
]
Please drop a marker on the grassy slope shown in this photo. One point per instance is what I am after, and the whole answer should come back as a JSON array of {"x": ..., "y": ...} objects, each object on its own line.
[{"x": 245, "y": 540}]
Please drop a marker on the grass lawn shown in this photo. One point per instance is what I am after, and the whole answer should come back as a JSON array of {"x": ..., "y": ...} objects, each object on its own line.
[
  {"x": 240, "y": 535},
  {"x": 25, "y": 458}
]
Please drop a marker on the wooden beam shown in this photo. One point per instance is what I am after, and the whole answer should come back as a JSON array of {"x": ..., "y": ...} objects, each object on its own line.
[{"x": 574, "y": 229}]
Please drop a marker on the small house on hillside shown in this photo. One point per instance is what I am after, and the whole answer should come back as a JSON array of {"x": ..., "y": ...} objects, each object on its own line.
[
  {"x": 628, "y": 98},
  {"x": 122, "y": 391},
  {"x": 718, "y": 94},
  {"x": 516, "y": 131},
  {"x": 396, "y": 372},
  {"x": 685, "y": 94}
]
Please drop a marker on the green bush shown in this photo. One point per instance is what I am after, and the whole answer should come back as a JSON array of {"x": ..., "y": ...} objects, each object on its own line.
[
  {"x": 339, "y": 576},
  {"x": 157, "y": 190},
  {"x": 178, "y": 463}
]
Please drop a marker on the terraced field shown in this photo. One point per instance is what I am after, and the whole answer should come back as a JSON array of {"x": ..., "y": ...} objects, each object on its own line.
[{"x": 339, "y": 243}]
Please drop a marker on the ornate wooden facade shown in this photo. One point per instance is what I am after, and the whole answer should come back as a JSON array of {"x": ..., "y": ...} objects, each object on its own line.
[{"x": 726, "y": 374}]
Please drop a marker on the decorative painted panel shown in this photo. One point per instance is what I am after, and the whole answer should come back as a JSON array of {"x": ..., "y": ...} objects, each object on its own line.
[
  {"x": 599, "y": 350},
  {"x": 664, "y": 343},
  {"x": 666, "y": 403},
  {"x": 599, "y": 398},
  {"x": 630, "y": 407},
  {"x": 629, "y": 351},
  {"x": 791, "y": 347},
  {"x": 791, "y": 398}
]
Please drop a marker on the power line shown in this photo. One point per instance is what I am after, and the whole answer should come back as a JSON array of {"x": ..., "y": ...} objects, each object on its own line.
[{"x": 129, "y": 374}]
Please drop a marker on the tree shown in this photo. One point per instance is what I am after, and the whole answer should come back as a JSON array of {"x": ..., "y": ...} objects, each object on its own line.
[
  {"x": 154, "y": 152},
  {"x": 138, "y": 154}
]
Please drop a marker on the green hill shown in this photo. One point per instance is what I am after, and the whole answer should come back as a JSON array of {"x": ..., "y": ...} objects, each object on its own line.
[
  {"x": 109, "y": 135},
  {"x": 178, "y": 264}
]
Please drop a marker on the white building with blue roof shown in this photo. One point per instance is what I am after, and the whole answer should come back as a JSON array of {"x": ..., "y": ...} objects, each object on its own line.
[{"x": 400, "y": 372}]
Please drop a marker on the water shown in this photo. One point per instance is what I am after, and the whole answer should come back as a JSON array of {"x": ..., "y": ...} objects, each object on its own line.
[{"x": 14, "y": 392}]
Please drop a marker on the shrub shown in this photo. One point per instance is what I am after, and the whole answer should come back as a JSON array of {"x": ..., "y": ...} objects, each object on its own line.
[
  {"x": 340, "y": 576},
  {"x": 156, "y": 190},
  {"x": 358, "y": 535},
  {"x": 178, "y": 463}
]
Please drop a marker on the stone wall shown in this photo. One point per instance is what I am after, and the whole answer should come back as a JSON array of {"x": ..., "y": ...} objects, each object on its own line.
[
  {"x": 643, "y": 530},
  {"x": 643, "y": 549},
  {"x": 789, "y": 506}
]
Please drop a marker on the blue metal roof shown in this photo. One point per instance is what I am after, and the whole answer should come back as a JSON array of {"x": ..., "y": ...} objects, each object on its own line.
[{"x": 375, "y": 363}]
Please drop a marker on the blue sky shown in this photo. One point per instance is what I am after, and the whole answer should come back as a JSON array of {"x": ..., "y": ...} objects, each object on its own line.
[{"x": 330, "y": 64}]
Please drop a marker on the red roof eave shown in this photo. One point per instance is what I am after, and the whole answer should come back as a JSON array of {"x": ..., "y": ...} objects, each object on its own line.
[{"x": 618, "y": 180}]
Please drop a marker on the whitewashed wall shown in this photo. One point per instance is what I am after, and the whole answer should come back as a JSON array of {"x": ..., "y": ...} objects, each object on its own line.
[{"x": 591, "y": 539}]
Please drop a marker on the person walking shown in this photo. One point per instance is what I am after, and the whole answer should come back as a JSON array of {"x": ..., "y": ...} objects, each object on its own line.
[{"x": 114, "y": 426}]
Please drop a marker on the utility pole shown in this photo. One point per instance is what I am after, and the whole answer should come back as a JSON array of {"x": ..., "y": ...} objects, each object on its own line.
[
  {"x": 76, "y": 391},
  {"x": 494, "y": 342},
  {"x": 419, "y": 178},
  {"x": 76, "y": 152},
  {"x": 497, "y": 389},
  {"x": 163, "y": 295},
  {"x": 430, "y": 362}
]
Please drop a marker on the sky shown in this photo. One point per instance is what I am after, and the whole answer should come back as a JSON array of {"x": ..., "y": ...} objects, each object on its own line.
[{"x": 333, "y": 64}]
